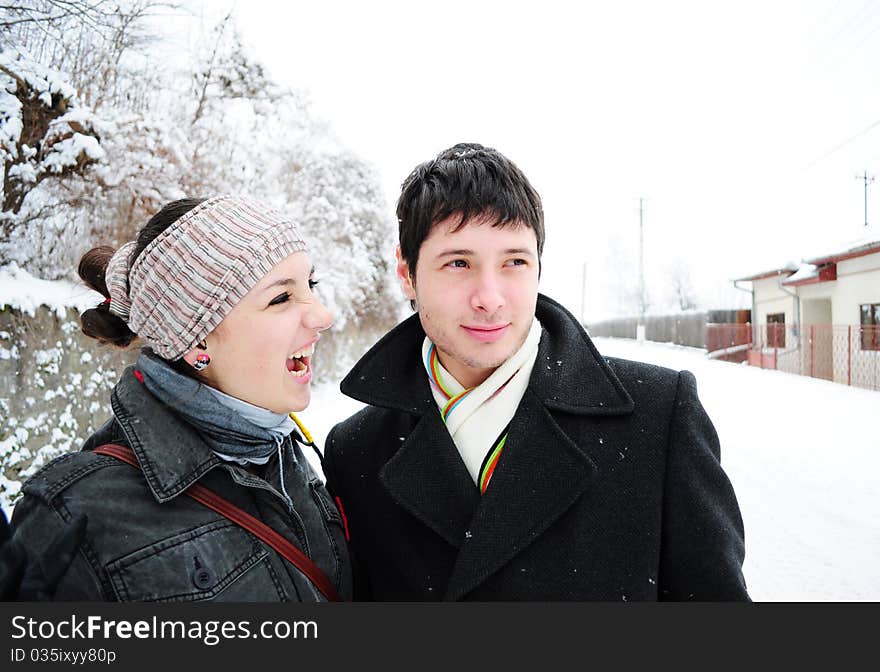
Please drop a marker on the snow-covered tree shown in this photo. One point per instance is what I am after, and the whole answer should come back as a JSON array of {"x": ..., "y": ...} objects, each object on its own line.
[
  {"x": 220, "y": 124},
  {"x": 41, "y": 132},
  {"x": 337, "y": 198},
  {"x": 680, "y": 287},
  {"x": 621, "y": 285},
  {"x": 100, "y": 45},
  {"x": 44, "y": 133},
  {"x": 85, "y": 61}
]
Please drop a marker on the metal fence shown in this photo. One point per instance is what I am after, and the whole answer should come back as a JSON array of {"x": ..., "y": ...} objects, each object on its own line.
[
  {"x": 847, "y": 354},
  {"x": 684, "y": 329},
  {"x": 730, "y": 342}
]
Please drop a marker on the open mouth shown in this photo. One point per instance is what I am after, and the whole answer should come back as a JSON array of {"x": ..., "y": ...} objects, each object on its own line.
[{"x": 298, "y": 362}]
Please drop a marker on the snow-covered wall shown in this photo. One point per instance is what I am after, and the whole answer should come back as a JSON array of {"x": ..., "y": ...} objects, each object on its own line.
[{"x": 54, "y": 389}]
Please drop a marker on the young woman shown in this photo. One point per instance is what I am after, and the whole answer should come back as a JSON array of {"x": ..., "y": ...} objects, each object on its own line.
[{"x": 197, "y": 488}]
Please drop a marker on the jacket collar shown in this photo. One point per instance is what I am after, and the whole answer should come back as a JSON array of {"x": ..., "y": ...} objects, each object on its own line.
[
  {"x": 171, "y": 453},
  {"x": 542, "y": 470},
  {"x": 569, "y": 375}
]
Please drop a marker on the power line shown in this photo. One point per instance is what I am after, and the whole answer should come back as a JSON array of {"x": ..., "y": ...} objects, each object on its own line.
[
  {"x": 851, "y": 21},
  {"x": 865, "y": 38},
  {"x": 844, "y": 144}
]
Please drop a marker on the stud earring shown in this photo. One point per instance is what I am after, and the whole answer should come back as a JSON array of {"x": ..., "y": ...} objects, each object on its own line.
[{"x": 201, "y": 362}]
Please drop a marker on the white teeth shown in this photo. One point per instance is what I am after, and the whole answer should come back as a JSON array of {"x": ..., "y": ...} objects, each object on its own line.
[
  {"x": 305, "y": 352},
  {"x": 299, "y": 374}
]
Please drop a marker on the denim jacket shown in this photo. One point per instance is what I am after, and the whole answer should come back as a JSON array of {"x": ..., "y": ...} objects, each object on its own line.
[{"x": 147, "y": 541}]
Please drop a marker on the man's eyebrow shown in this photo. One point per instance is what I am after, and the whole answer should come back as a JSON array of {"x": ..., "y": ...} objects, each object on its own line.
[
  {"x": 455, "y": 253},
  {"x": 465, "y": 253}
]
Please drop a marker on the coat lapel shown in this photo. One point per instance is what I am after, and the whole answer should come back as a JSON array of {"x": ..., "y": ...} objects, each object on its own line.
[
  {"x": 428, "y": 478},
  {"x": 425, "y": 475},
  {"x": 540, "y": 474}
]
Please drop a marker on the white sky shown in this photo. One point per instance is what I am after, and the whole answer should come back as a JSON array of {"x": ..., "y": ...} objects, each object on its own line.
[{"x": 722, "y": 115}]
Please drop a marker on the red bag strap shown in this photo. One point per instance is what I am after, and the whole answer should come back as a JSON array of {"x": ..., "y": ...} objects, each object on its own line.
[{"x": 256, "y": 527}]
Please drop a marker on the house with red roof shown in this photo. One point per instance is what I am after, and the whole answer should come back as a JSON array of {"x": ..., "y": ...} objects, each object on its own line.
[{"x": 820, "y": 317}]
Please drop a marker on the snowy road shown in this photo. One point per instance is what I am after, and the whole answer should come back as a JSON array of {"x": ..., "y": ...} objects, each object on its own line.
[{"x": 802, "y": 457}]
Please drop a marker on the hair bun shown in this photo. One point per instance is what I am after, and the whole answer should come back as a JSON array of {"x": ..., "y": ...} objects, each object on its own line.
[{"x": 99, "y": 323}]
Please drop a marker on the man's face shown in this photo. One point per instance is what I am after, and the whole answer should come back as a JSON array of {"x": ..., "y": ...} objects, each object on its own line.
[{"x": 476, "y": 290}]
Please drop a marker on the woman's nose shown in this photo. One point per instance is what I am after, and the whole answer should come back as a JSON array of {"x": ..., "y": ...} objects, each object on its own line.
[{"x": 318, "y": 317}]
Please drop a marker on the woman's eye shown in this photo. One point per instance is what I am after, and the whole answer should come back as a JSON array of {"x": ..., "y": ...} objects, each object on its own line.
[
  {"x": 281, "y": 298},
  {"x": 312, "y": 283},
  {"x": 517, "y": 262},
  {"x": 458, "y": 263}
]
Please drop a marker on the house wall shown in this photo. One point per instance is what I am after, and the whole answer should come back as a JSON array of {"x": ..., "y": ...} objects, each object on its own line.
[
  {"x": 821, "y": 290},
  {"x": 769, "y": 299},
  {"x": 858, "y": 282},
  {"x": 816, "y": 310}
]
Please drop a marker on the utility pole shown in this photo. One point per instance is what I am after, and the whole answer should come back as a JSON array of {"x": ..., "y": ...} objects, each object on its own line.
[
  {"x": 640, "y": 328},
  {"x": 867, "y": 180}
]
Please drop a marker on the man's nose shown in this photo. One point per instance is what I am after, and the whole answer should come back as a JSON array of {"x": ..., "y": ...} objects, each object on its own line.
[{"x": 487, "y": 295}]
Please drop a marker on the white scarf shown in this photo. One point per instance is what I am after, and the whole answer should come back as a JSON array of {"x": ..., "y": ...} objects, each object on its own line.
[{"x": 477, "y": 418}]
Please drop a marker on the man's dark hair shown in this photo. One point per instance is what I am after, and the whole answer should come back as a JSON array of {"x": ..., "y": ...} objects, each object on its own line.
[{"x": 467, "y": 180}]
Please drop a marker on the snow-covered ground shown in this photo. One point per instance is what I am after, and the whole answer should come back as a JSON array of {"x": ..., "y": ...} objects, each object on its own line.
[{"x": 804, "y": 459}]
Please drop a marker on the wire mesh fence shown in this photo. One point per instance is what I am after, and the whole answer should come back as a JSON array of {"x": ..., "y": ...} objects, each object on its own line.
[{"x": 847, "y": 354}]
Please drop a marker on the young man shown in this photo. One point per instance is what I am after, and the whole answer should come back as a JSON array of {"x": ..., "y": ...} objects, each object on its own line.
[{"x": 501, "y": 457}]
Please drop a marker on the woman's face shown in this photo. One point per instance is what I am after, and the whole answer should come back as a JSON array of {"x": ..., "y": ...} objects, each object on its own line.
[{"x": 261, "y": 351}]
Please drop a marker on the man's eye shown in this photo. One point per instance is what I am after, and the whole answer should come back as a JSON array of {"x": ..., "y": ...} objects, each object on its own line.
[
  {"x": 281, "y": 298},
  {"x": 312, "y": 283}
]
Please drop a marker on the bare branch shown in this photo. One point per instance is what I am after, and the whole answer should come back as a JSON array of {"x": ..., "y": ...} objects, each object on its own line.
[{"x": 20, "y": 83}]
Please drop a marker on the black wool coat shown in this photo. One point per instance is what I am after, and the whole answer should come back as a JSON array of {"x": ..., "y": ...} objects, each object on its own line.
[{"x": 609, "y": 486}]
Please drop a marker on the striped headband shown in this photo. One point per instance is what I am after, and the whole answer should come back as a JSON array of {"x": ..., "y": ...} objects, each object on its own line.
[{"x": 189, "y": 278}]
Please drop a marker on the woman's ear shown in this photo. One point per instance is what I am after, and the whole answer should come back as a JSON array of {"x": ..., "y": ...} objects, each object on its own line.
[
  {"x": 190, "y": 357},
  {"x": 403, "y": 274}
]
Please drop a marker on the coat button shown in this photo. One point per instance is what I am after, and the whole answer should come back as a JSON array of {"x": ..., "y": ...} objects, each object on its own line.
[{"x": 203, "y": 578}]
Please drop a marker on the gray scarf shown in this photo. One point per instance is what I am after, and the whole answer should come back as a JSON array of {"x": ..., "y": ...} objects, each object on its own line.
[{"x": 235, "y": 430}]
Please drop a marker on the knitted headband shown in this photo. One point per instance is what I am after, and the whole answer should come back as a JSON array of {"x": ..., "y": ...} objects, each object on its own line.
[{"x": 189, "y": 278}]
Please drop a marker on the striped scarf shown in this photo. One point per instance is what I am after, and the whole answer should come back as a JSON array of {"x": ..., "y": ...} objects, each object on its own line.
[{"x": 477, "y": 418}]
